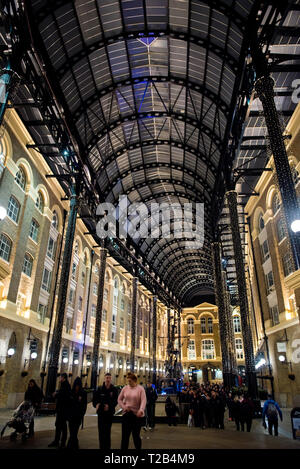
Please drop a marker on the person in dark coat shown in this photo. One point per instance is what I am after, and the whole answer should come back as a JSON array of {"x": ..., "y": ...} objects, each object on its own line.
[
  {"x": 34, "y": 394},
  {"x": 171, "y": 411},
  {"x": 208, "y": 410},
  {"x": 151, "y": 395},
  {"x": 247, "y": 412},
  {"x": 236, "y": 411},
  {"x": 63, "y": 399},
  {"x": 105, "y": 400},
  {"x": 218, "y": 411},
  {"x": 229, "y": 403},
  {"x": 78, "y": 410}
]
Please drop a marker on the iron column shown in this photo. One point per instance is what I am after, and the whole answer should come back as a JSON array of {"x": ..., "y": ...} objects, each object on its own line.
[
  {"x": 242, "y": 291},
  {"x": 154, "y": 333},
  {"x": 100, "y": 293},
  {"x": 221, "y": 303},
  {"x": 133, "y": 322},
  {"x": 264, "y": 88},
  {"x": 62, "y": 297}
]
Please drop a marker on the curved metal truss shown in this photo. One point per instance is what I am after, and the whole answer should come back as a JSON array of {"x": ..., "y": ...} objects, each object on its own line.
[{"x": 149, "y": 91}]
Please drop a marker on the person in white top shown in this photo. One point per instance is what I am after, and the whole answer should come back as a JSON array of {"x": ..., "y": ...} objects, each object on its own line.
[{"x": 132, "y": 399}]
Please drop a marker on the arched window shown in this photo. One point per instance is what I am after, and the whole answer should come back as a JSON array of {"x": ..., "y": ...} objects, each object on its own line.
[
  {"x": 236, "y": 324},
  {"x": 21, "y": 178},
  {"x": 275, "y": 204},
  {"x": 27, "y": 264},
  {"x": 261, "y": 223},
  {"x": 13, "y": 209},
  {"x": 190, "y": 326},
  {"x": 280, "y": 229},
  {"x": 55, "y": 220},
  {"x": 116, "y": 283},
  {"x": 208, "y": 349},
  {"x": 76, "y": 249},
  {"x": 40, "y": 204},
  {"x": 5, "y": 247}
]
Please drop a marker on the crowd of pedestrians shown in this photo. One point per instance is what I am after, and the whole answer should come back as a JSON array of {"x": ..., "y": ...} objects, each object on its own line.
[{"x": 197, "y": 405}]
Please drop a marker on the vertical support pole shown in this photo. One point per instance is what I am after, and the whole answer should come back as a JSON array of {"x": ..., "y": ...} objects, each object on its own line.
[
  {"x": 179, "y": 335},
  {"x": 230, "y": 334},
  {"x": 87, "y": 311},
  {"x": 154, "y": 333},
  {"x": 220, "y": 297},
  {"x": 97, "y": 336},
  {"x": 133, "y": 322},
  {"x": 62, "y": 297},
  {"x": 242, "y": 291},
  {"x": 264, "y": 88},
  {"x": 53, "y": 301}
]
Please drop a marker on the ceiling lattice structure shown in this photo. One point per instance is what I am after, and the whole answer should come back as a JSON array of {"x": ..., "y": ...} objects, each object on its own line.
[{"x": 149, "y": 92}]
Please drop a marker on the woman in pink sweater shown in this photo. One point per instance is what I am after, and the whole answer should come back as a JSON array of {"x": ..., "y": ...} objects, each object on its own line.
[{"x": 132, "y": 400}]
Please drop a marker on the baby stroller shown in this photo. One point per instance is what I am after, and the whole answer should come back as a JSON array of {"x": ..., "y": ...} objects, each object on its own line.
[{"x": 20, "y": 421}]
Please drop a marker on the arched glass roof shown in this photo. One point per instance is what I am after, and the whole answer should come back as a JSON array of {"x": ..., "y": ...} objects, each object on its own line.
[{"x": 149, "y": 89}]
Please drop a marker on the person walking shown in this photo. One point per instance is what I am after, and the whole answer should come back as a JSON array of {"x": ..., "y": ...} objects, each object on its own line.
[
  {"x": 77, "y": 412},
  {"x": 35, "y": 395},
  {"x": 63, "y": 399},
  {"x": 247, "y": 412},
  {"x": 105, "y": 400},
  {"x": 132, "y": 399},
  {"x": 236, "y": 411},
  {"x": 271, "y": 410},
  {"x": 151, "y": 396}
]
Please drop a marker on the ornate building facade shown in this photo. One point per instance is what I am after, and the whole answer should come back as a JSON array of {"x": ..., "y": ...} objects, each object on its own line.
[
  {"x": 31, "y": 245},
  {"x": 201, "y": 347},
  {"x": 274, "y": 282}
]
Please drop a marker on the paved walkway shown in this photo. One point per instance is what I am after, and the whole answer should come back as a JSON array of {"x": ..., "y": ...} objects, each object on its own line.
[{"x": 163, "y": 437}]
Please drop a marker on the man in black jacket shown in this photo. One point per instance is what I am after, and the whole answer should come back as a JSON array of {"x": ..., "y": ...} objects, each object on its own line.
[
  {"x": 105, "y": 400},
  {"x": 63, "y": 399},
  {"x": 151, "y": 395}
]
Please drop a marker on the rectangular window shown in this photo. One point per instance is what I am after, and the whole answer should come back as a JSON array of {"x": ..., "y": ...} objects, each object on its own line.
[
  {"x": 265, "y": 251},
  {"x": 95, "y": 288},
  {"x": 42, "y": 312},
  {"x": 51, "y": 248},
  {"x": 269, "y": 282},
  {"x": 208, "y": 350},
  {"x": 203, "y": 325},
  {"x": 104, "y": 315},
  {"x": 46, "y": 282},
  {"x": 80, "y": 303},
  {"x": 68, "y": 325},
  {"x": 210, "y": 325},
  {"x": 122, "y": 323},
  {"x": 239, "y": 349},
  {"x": 93, "y": 311},
  {"x": 274, "y": 315},
  {"x": 73, "y": 274},
  {"x": 288, "y": 267},
  {"x": 191, "y": 350},
  {"x": 34, "y": 230},
  {"x": 113, "y": 336},
  {"x": 71, "y": 296},
  {"x": 105, "y": 295}
]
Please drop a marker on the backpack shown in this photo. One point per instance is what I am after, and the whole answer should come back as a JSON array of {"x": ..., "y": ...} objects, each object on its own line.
[{"x": 271, "y": 411}]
